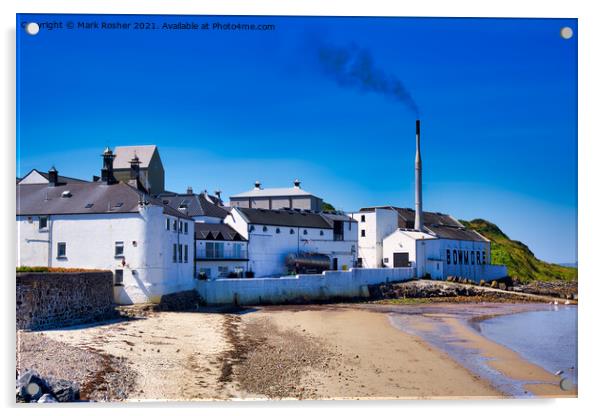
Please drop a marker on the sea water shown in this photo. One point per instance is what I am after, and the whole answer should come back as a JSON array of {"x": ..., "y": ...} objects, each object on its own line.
[{"x": 547, "y": 338}]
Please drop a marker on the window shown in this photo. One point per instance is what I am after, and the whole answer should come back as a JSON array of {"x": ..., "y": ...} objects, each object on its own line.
[
  {"x": 118, "y": 248},
  {"x": 179, "y": 253},
  {"x": 363, "y": 218},
  {"x": 292, "y": 231},
  {"x": 89, "y": 205},
  {"x": 265, "y": 229},
  {"x": 118, "y": 281},
  {"x": 252, "y": 228},
  {"x": 304, "y": 232},
  {"x": 386, "y": 260},
  {"x": 222, "y": 271},
  {"x": 61, "y": 250},
  {"x": 175, "y": 225},
  {"x": 43, "y": 223},
  {"x": 180, "y": 226},
  {"x": 237, "y": 251},
  {"x": 277, "y": 230},
  {"x": 448, "y": 256},
  {"x": 363, "y": 233},
  {"x": 185, "y": 228},
  {"x": 175, "y": 253},
  {"x": 185, "y": 253},
  {"x": 214, "y": 250},
  {"x": 167, "y": 224},
  {"x": 321, "y": 232}
]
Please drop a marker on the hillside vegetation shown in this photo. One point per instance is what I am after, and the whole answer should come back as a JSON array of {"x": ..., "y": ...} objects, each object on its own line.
[{"x": 521, "y": 262}]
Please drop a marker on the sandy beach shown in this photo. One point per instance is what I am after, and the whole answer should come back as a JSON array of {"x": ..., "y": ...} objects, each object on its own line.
[{"x": 300, "y": 352}]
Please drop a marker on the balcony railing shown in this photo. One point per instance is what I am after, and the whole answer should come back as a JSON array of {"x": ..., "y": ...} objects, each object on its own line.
[{"x": 205, "y": 254}]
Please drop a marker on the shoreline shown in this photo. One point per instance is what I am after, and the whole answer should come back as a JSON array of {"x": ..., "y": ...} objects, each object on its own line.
[{"x": 330, "y": 352}]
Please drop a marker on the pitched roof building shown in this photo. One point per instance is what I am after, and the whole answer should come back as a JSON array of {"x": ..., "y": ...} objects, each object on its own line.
[
  {"x": 277, "y": 198},
  {"x": 152, "y": 173}
]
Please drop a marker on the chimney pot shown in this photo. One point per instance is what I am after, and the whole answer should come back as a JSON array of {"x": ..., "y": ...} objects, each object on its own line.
[
  {"x": 53, "y": 176},
  {"x": 297, "y": 183},
  {"x": 257, "y": 185}
]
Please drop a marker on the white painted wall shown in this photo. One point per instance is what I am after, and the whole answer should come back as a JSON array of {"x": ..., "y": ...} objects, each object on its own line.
[
  {"x": 206, "y": 219},
  {"x": 33, "y": 178},
  {"x": 268, "y": 248},
  {"x": 377, "y": 225},
  {"x": 149, "y": 270},
  {"x": 308, "y": 287}
]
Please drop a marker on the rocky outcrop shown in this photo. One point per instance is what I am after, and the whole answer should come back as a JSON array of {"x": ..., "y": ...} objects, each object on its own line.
[{"x": 32, "y": 388}]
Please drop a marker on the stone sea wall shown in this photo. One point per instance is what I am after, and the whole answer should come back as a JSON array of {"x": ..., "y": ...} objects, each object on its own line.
[{"x": 50, "y": 300}]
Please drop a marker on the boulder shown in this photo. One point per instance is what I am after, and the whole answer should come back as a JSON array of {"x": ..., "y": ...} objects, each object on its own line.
[
  {"x": 64, "y": 390},
  {"x": 494, "y": 284},
  {"x": 47, "y": 398},
  {"x": 482, "y": 283},
  {"x": 30, "y": 386},
  {"x": 502, "y": 286},
  {"x": 450, "y": 278}
]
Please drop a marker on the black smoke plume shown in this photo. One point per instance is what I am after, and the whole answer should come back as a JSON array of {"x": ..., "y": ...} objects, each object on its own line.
[{"x": 354, "y": 67}]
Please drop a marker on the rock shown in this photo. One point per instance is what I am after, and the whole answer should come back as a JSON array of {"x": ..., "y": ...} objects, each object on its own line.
[
  {"x": 64, "y": 390},
  {"x": 30, "y": 386},
  {"x": 502, "y": 286},
  {"x": 450, "y": 278},
  {"x": 482, "y": 283},
  {"x": 494, "y": 284},
  {"x": 47, "y": 398}
]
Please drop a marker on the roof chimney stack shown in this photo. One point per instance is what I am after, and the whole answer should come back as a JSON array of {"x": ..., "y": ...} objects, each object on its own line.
[
  {"x": 418, "y": 190},
  {"x": 53, "y": 176},
  {"x": 106, "y": 173},
  {"x": 297, "y": 183},
  {"x": 257, "y": 185},
  {"x": 135, "y": 167},
  {"x": 189, "y": 190}
]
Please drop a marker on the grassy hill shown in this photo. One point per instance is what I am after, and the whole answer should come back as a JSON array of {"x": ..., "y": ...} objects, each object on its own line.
[{"x": 521, "y": 262}]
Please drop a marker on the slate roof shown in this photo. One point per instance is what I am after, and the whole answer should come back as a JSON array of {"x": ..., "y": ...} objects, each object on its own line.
[
  {"x": 63, "y": 179},
  {"x": 85, "y": 198},
  {"x": 220, "y": 232},
  {"x": 123, "y": 155},
  {"x": 453, "y": 233},
  {"x": 193, "y": 205},
  {"x": 285, "y": 217}
]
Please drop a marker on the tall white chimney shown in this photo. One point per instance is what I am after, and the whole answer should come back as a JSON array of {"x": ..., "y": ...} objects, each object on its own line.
[{"x": 418, "y": 190}]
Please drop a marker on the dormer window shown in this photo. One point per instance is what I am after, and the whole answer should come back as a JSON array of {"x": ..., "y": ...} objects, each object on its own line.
[
  {"x": 292, "y": 231},
  {"x": 265, "y": 229},
  {"x": 277, "y": 230}
]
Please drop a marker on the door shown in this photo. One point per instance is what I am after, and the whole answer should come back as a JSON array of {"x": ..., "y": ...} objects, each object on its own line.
[
  {"x": 335, "y": 264},
  {"x": 401, "y": 260}
]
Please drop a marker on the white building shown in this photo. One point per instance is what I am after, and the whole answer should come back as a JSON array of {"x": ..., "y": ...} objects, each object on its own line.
[
  {"x": 220, "y": 251},
  {"x": 274, "y": 234},
  {"x": 444, "y": 247},
  {"x": 277, "y": 198},
  {"x": 106, "y": 225},
  {"x": 200, "y": 207}
]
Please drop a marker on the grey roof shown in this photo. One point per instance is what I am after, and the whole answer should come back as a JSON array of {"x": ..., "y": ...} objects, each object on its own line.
[
  {"x": 61, "y": 178},
  {"x": 456, "y": 233},
  {"x": 123, "y": 155},
  {"x": 222, "y": 232},
  {"x": 85, "y": 198},
  {"x": 272, "y": 192},
  {"x": 335, "y": 216},
  {"x": 193, "y": 205},
  {"x": 285, "y": 217},
  {"x": 406, "y": 217}
]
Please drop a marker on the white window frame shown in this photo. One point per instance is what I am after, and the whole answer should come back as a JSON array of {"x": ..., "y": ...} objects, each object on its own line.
[{"x": 58, "y": 250}]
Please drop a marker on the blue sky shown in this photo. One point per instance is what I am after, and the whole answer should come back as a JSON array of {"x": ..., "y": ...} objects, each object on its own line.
[{"x": 497, "y": 99}]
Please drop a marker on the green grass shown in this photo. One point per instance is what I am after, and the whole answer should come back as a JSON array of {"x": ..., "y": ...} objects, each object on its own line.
[{"x": 520, "y": 260}]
